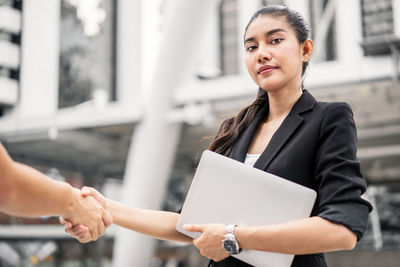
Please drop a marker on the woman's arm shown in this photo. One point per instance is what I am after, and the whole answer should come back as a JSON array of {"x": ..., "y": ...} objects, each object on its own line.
[
  {"x": 158, "y": 224},
  {"x": 306, "y": 236}
]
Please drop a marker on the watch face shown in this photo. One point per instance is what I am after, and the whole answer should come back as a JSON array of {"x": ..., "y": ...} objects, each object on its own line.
[{"x": 230, "y": 246}]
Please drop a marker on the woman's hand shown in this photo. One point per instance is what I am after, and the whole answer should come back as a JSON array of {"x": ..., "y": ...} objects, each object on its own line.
[
  {"x": 81, "y": 232},
  {"x": 210, "y": 241}
]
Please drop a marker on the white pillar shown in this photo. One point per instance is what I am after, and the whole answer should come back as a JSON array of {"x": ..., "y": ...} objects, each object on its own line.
[
  {"x": 39, "y": 58},
  {"x": 129, "y": 50},
  {"x": 301, "y": 6},
  {"x": 374, "y": 217},
  {"x": 154, "y": 140},
  {"x": 208, "y": 57},
  {"x": 396, "y": 17},
  {"x": 245, "y": 10},
  {"x": 349, "y": 28}
]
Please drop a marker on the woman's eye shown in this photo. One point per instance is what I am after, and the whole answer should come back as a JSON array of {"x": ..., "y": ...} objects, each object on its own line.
[
  {"x": 276, "y": 40},
  {"x": 251, "y": 48}
]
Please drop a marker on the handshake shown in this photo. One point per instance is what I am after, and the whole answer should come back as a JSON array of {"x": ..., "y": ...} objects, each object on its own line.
[
  {"x": 98, "y": 213},
  {"x": 88, "y": 215}
]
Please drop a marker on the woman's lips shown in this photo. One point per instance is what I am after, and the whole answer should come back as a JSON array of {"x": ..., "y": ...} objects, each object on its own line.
[{"x": 266, "y": 69}]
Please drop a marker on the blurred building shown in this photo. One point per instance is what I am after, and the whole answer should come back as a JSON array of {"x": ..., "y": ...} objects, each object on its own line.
[{"x": 91, "y": 90}]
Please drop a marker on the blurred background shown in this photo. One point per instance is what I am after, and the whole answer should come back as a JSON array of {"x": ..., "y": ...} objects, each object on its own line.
[{"x": 119, "y": 95}]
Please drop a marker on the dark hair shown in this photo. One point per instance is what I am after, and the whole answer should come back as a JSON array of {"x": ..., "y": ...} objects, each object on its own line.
[{"x": 231, "y": 128}]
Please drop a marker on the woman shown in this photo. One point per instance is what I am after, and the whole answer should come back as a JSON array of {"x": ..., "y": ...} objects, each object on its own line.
[{"x": 285, "y": 131}]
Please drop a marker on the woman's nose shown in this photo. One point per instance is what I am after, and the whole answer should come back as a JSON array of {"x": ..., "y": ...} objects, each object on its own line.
[{"x": 263, "y": 54}]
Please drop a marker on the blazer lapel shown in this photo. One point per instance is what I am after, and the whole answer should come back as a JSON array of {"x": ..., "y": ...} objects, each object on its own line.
[
  {"x": 280, "y": 137},
  {"x": 286, "y": 130}
]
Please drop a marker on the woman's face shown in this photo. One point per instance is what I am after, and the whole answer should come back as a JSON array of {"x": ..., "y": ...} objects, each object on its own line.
[{"x": 274, "y": 56}]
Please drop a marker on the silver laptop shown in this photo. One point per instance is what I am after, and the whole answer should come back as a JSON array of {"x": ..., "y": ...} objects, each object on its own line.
[{"x": 230, "y": 192}]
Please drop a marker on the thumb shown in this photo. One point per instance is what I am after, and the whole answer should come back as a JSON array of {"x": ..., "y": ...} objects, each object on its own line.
[
  {"x": 87, "y": 191},
  {"x": 194, "y": 228}
]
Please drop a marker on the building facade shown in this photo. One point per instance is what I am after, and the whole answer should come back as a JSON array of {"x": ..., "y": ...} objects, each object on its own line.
[{"x": 92, "y": 92}]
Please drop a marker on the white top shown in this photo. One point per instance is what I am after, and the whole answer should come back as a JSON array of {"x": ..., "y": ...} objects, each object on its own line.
[{"x": 251, "y": 159}]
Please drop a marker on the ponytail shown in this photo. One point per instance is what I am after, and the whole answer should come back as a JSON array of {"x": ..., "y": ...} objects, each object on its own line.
[{"x": 231, "y": 128}]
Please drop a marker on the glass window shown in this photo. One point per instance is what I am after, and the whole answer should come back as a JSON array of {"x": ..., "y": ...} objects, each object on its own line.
[
  {"x": 272, "y": 2},
  {"x": 377, "y": 22},
  {"x": 229, "y": 38},
  {"x": 87, "y": 51},
  {"x": 377, "y": 17},
  {"x": 55, "y": 252},
  {"x": 318, "y": 10},
  {"x": 384, "y": 224},
  {"x": 10, "y": 41}
]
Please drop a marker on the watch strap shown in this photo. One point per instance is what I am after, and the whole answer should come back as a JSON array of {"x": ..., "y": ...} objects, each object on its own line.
[
  {"x": 230, "y": 229},
  {"x": 230, "y": 235}
]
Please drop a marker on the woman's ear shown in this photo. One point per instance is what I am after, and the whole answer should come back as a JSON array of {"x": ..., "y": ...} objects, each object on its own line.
[{"x": 308, "y": 47}]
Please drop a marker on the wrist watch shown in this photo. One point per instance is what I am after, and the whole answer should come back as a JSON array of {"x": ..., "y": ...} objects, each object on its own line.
[{"x": 229, "y": 243}]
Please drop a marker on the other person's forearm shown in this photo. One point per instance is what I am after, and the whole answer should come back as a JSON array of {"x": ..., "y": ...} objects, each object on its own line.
[{"x": 29, "y": 193}]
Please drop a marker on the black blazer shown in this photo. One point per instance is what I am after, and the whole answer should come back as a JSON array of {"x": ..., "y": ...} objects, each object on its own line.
[{"x": 316, "y": 147}]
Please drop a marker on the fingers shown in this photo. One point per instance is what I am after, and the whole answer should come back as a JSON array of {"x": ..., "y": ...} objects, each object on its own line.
[
  {"x": 85, "y": 239},
  {"x": 219, "y": 258},
  {"x": 65, "y": 222},
  {"x": 196, "y": 243},
  {"x": 194, "y": 228},
  {"x": 94, "y": 234},
  {"x": 80, "y": 232},
  {"x": 89, "y": 191},
  {"x": 211, "y": 253},
  {"x": 102, "y": 220},
  {"x": 93, "y": 216},
  {"x": 107, "y": 219},
  {"x": 95, "y": 230},
  {"x": 209, "y": 242},
  {"x": 76, "y": 230},
  {"x": 101, "y": 227},
  {"x": 92, "y": 212}
]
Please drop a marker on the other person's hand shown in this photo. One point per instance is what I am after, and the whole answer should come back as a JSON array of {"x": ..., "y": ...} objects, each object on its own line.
[{"x": 81, "y": 231}]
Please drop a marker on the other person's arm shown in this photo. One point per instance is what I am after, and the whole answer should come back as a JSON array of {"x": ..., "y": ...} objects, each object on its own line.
[{"x": 26, "y": 192}]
